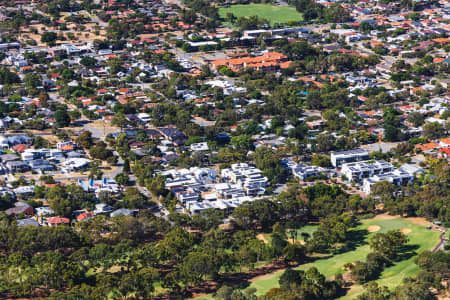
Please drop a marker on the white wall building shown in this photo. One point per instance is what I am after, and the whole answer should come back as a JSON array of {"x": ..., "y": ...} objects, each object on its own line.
[
  {"x": 397, "y": 177},
  {"x": 339, "y": 158},
  {"x": 356, "y": 171}
]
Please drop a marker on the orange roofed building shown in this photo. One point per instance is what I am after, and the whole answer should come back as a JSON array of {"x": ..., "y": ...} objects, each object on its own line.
[{"x": 269, "y": 61}]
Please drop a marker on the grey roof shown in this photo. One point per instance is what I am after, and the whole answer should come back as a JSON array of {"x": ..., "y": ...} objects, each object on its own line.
[
  {"x": 74, "y": 154},
  {"x": 19, "y": 208},
  {"x": 27, "y": 222},
  {"x": 123, "y": 212},
  {"x": 18, "y": 163},
  {"x": 8, "y": 157}
]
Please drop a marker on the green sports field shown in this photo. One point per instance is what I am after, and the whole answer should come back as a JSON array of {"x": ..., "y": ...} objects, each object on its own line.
[
  {"x": 419, "y": 237},
  {"x": 273, "y": 13}
]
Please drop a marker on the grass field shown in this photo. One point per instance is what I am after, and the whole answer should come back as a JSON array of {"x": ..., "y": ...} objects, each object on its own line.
[
  {"x": 273, "y": 13},
  {"x": 419, "y": 237}
]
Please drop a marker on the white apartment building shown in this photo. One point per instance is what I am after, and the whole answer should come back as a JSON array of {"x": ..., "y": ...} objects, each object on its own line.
[
  {"x": 303, "y": 171},
  {"x": 357, "y": 171},
  {"x": 397, "y": 177},
  {"x": 339, "y": 158}
]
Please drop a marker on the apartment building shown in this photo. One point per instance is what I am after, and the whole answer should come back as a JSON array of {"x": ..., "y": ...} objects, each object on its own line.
[
  {"x": 397, "y": 177},
  {"x": 357, "y": 171},
  {"x": 303, "y": 171},
  {"x": 341, "y": 157}
]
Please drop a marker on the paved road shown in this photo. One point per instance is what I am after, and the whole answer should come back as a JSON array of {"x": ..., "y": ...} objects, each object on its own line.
[
  {"x": 440, "y": 246},
  {"x": 186, "y": 56},
  {"x": 117, "y": 170}
]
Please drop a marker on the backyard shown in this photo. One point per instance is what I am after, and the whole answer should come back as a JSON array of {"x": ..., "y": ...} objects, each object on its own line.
[{"x": 273, "y": 13}]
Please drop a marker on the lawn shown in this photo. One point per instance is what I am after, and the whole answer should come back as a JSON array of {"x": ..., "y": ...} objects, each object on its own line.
[
  {"x": 273, "y": 13},
  {"x": 419, "y": 236},
  {"x": 309, "y": 229}
]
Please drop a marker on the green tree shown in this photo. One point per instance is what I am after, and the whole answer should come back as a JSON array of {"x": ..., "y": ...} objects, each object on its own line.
[
  {"x": 62, "y": 118},
  {"x": 269, "y": 163},
  {"x": 175, "y": 245},
  {"x": 85, "y": 139},
  {"x": 388, "y": 244},
  {"x": 416, "y": 118},
  {"x": 412, "y": 290},
  {"x": 99, "y": 151},
  {"x": 119, "y": 120},
  {"x": 242, "y": 142},
  {"x": 32, "y": 80},
  {"x": 122, "y": 179},
  {"x": 126, "y": 166},
  {"x": 49, "y": 37},
  {"x": 8, "y": 77},
  {"x": 324, "y": 142},
  {"x": 374, "y": 292},
  {"x": 133, "y": 198},
  {"x": 199, "y": 264},
  {"x": 433, "y": 130}
]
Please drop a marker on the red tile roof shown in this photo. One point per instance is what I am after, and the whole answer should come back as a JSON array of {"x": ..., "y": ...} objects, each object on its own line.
[{"x": 58, "y": 220}]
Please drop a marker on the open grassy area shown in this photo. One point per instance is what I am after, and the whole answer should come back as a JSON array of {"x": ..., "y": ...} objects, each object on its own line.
[
  {"x": 309, "y": 229},
  {"x": 273, "y": 13},
  {"x": 419, "y": 237}
]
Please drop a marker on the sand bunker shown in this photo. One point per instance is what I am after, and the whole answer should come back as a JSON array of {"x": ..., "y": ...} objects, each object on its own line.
[
  {"x": 385, "y": 217},
  {"x": 405, "y": 230},
  {"x": 373, "y": 228},
  {"x": 262, "y": 238}
]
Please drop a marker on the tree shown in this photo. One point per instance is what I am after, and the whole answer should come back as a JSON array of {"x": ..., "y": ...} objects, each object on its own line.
[
  {"x": 126, "y": 166},
  {"x": 416, "y": 118},
  {"x": 391, "y": 133},
  {"x": 49, "y": 37},
  {"x": 384, "y": 189},
  {"x": 85, "y": 139},
  {"x": 133, "y": 198},
  {"x": 433, "y": 130},
  {"x": 156, "y": 185},
  {"x": 279, "y": 244},
  {"x": 175, "y": 245},
  {"x": 115, "y": 66},
  {"x": 62, "y": 118},
  {"x": 412, "y": 290},
  {"x": 189, "y": 16},
  {"x": 294, "y": 253},
  {"x": 290, "y": 277},
  {"x": 388, "y": 244},
  {"x": 88, "y": 61},
  {"x": 242, "y": 142},
  {"x": 325, "y": 142},
  {"x": 99, "y": 151},
  {"x": 224, "y": 293},
  {"x": 119, "y": 120},
  {"x": 57, "y": 199},
  {"x": 74, "y": 115},
  {"x": 321, "y": 160},
  {"x": 374, "y": 292},
  {"x": 122, "y": 178},
  {"x": 8, "y": 77},
  {"x": 18, "y": 264},
  {"x": 269, "y": 163},
  {"x": 32, "y": 80},
  {"x": 43, "y": 99},
  {"x": 199, "y": 264}
]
